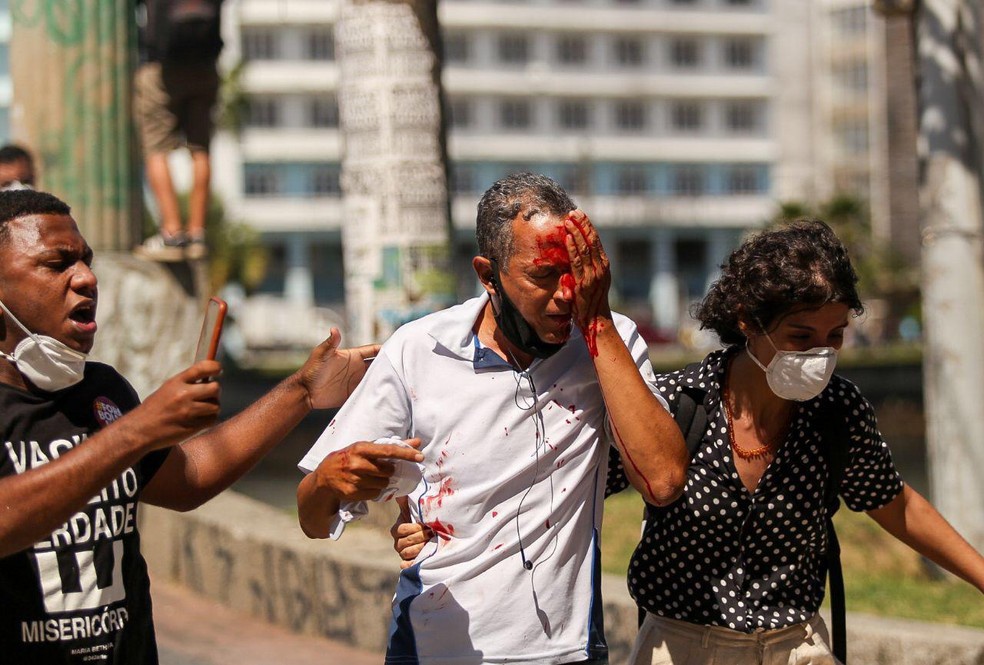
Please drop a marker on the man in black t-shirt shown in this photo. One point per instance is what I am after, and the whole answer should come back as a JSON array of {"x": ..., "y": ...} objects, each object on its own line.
[{"x": 79, "y": 451}]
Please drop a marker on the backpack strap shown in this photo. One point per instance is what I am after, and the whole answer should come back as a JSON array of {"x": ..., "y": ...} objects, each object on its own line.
[
  {"x": 836, "y": 440},
  {"x": 691, "y": 418}
]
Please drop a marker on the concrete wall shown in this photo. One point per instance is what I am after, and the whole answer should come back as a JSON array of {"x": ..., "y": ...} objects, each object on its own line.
[
  {"x": 149, "y": 316},
  {"x": 254, "y": 558}
]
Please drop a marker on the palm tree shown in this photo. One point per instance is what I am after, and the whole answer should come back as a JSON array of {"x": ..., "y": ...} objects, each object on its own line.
[{"x": 396, "y": 235}]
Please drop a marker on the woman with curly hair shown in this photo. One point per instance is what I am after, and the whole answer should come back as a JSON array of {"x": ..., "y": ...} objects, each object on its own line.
[{"x": 734, "y": 570}]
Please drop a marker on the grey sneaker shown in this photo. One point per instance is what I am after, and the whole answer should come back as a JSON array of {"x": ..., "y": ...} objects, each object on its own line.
[
  {"x": 162, "y": 247},
  {"x": 196, "y": 249}
]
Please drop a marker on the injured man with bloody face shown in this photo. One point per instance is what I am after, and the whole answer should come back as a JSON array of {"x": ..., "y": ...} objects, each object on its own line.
[{"x": 513, "y": 398}]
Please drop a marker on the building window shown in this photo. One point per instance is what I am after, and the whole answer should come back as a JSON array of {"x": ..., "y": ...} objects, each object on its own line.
[
  {"x": 741, "y": 117},
  {"x": 687, "y": 116},
  {"x": 463, "y": 179},
  {"x": 326, "y": 180},
  {"x": 323, "y": 112},
  {"x": 514, "y": 49},
  {"x": 739, "y": 54},
  {"x": 630, "y": 116},
  {"x": 853, "y": 136},
  {"x": 261, "y": 181},
  {"x": 685, "y": 53},
  {"x": 457, "y": 48},
  {"x": 263, "y": 112},
  {"x": 320, "y": 45},
  {"x": 575, "y": 178},
  {"x": 259, "y": 44},
  {"x": 631, "y": 180},
  {"x": 515, "y": 114},
  {"x": 851, "y": 21},
  {"x": 743, "y": 180},
  {"x": 629, "y": 52},
  {"x": 688, "y": 181},
  {"x": 573, "y": 114},
  {"x": 853, "y": 76},
  {"x": 460, "y": 113},
  {"x": 572, "y": 49}
]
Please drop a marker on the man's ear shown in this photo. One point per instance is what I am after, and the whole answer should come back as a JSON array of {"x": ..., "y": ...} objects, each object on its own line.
[{"x": 483, "y": 268}]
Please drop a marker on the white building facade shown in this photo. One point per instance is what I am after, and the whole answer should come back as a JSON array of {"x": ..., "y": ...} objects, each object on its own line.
[{"x": 677, "y": 125}]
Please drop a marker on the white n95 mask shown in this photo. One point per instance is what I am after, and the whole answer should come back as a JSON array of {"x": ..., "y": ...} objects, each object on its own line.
[
  {"x": 798, "y": 375},
  {"x": 14, "y": 186},
  {"x": 44, "y": 361}
]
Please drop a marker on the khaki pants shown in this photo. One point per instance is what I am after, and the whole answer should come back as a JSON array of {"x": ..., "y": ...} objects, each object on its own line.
[
  {"x": 173, "y": 106},
  {"x": 663, "y": 641}
]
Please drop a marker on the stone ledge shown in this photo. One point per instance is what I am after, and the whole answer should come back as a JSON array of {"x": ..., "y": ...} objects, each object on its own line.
[{"x": 254, "y": 558}]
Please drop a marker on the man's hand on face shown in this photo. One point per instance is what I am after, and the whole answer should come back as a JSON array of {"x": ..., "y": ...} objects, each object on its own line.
[
  {"x": 331, "y": 374},
  {"x": 362, "y": 470},
  {"x": 591, "y": 276},
  {"x": 184, "y": 405}
]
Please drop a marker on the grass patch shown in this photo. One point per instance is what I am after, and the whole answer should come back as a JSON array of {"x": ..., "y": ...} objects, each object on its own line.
[{"x": 881, "y": 575}]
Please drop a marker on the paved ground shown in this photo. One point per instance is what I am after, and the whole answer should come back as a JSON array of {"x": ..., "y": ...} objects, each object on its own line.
[{"x": 192, "y": 630}]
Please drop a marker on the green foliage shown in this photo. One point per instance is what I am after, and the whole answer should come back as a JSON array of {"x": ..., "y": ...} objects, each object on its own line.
[
  {"x": 883, "y": 273},
  {"x": 235, "y": 251},
  {"x": 428, "y": 274},
  {"x": 882, "y": 576},
  {"x": 236, "y": 255},
  {"x": 233, "y": 104}
]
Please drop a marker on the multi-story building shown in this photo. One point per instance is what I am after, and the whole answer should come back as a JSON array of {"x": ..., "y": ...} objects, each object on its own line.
[
  {"x": 851, "y": 98},
  {"x": 676, "y": 124}
]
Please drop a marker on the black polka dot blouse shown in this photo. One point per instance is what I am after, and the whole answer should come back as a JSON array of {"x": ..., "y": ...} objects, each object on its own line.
[{"x": 722, "y": 556}]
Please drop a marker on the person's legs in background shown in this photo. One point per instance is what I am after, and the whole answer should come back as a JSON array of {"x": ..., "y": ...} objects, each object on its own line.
[
  {"x": 201, "y": 87},
  {"x": 198, "y": 203},
  {"x": 174, "y": 107},
  {"x": 159, "y": 179},
  {"x": 158, "y": 127}
]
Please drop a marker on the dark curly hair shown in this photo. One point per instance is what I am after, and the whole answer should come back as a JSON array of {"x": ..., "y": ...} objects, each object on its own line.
[
  {"x": 529, "y": 193},
  {"x": 798, "y": 265},
  {"x": 27, "y": 202}
]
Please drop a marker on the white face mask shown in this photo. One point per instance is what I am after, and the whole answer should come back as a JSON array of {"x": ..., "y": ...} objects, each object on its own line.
[
  {"x": 798, "y": 375},
  {"x": 14, "y": 185},
  {"x": 44, "y": 361}
]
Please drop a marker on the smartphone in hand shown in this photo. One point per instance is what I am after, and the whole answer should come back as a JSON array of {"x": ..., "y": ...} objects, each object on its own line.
[{"x": 208, "y": 341}]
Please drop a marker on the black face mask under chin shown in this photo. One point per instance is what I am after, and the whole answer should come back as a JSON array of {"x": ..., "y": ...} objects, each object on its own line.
[{"x": 514, "y": 326}]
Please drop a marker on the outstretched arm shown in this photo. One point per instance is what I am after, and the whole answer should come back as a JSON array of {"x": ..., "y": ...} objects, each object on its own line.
[
  {"x": 356, "y": 473},
  {"x": 202, "y": 467},
  {"x": 913, "y": 520},
  {"x": 650, "y": 442},
  {"x": 36, "y": 502}
]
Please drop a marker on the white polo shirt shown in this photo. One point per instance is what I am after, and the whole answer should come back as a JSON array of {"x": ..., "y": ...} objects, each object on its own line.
[{"x": 508, "y": 478}]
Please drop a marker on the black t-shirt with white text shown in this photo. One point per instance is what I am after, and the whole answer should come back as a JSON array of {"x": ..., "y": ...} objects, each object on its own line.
[{"x": 82, "y": 594}]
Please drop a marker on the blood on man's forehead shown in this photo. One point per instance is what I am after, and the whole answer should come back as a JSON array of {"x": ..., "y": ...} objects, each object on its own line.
[{"x": 552, "y": 247}]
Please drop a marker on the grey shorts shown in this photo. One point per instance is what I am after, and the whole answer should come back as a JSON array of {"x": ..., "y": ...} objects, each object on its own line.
[{"x": 173, "y": 106}]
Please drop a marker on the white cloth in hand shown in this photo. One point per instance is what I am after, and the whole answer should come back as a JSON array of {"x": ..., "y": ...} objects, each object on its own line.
[{"x": 406, "y": 476}]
